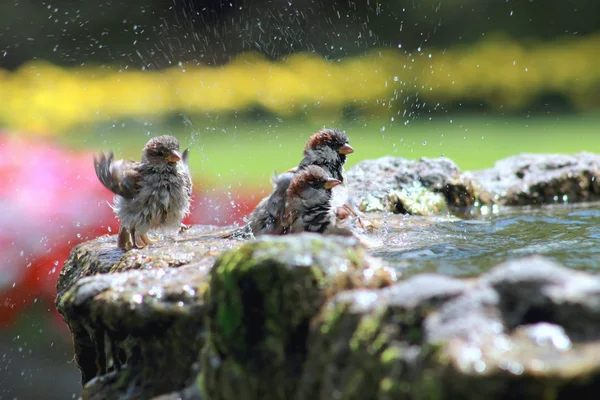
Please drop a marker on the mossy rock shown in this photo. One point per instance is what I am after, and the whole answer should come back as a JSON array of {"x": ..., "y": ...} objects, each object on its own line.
[
  {"x": 428, "y": 186},
  {"x": 139, "y": 319},
  {"x": 261, "y": 300}
]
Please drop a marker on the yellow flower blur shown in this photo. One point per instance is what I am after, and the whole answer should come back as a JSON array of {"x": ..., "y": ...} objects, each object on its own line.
[{"x": 44, "y": 99}]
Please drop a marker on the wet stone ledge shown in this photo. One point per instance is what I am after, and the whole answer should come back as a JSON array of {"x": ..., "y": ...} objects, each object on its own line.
[
  {"x": 139, "y": 328},
  {"x": 431, "y": 186},
  {"x": 307, "y": 316}
]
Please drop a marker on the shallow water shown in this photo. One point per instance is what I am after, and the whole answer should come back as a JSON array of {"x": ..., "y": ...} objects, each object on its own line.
[{"x": 569, "y": 234}]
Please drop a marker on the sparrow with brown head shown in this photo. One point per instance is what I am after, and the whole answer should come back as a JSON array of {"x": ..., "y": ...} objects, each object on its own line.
[
  {"x": 152, "y": 194},
  {"x": 308, "y": 206},
  {"x": 326, "y": 149}
]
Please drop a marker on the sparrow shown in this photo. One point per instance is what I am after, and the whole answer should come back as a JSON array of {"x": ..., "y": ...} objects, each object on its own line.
[
  {"x": 152, "y": 194},
  {"x": 328, "y": 149},
  {"x": 308, "y": 206}
]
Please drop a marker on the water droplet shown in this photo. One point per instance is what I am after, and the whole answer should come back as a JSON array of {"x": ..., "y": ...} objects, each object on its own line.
[{"x": 137, "y": 298}]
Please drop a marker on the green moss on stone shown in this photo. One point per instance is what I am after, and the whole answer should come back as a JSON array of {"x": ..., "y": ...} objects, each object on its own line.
[
  {"x": 390, "y": 355},
  {"x": 261, "y": 298}
]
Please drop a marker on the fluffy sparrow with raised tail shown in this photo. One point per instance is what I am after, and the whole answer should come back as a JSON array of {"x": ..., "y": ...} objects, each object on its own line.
[
  {"x": 152, "y": 194},
  {"x": 308, "y": 206}
]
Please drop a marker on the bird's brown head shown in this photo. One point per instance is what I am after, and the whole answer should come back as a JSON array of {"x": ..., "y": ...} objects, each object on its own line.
[
  {"x": 162, "y": 149},
  {"x": 310, "y": 180},
  {"x": 332, "y": 138}
]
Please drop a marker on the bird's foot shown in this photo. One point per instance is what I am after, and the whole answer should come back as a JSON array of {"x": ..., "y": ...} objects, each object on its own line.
[
  {"x": 184, "y": 228},
  {"x": 146, "y": 239},
  {"x": 366, "y": 224},
  {"x": 124, "y": 239},
  {"x": 139, "y": 243}
]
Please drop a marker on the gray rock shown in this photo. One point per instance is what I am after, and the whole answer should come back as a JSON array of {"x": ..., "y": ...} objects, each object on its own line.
[
  {"x": 423, "y": 187},
  {"x": 434, "y": 186},
  {"x": 101, "y": 256},
  {"x": 528, "y": 329},
  {"x": 136, "y": 327},
  {"x": 529, "y": 179},
  {"x": 124, "y": 309}
]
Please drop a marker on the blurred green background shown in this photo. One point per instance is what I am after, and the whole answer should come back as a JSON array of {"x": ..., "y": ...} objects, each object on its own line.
[{"x": 244, "y": 83}]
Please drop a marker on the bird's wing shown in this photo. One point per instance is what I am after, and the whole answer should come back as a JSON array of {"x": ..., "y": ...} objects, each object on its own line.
[
  {"x": 120, "y": 176},
  {"x": 276, "y": 203},
  {"x": 287, "y": 220}
]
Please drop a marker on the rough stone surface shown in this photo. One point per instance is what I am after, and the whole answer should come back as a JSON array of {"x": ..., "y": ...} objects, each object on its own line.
[
  {"x": 529, "y": 179},
  {"x": 395, "y": 184},
  {"x": 138, "y": 328},
  {"x": 528, "y": 329},
  {"x": 101, "y": 256},
  {"x": 136, "y": 314},
  {"x": 134, "y": 328},
  {"x": 408, "y": 187}
]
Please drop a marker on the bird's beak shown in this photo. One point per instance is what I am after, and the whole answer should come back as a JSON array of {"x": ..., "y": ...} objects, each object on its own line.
[
  {"x": 346, "y": 149},
  {"x": 331, "y": 183},
  {"x": 173, "y": 157}
]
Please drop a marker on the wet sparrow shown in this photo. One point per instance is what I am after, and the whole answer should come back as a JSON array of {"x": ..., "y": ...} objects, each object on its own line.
[
  {"x": 308, "y": 205},
  {"x": 328, "y": 149},
  {"x": 154, "y": 193}
]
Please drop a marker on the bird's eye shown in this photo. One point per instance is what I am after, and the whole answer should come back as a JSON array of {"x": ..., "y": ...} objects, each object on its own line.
[{"x": 160, "y": 153}]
